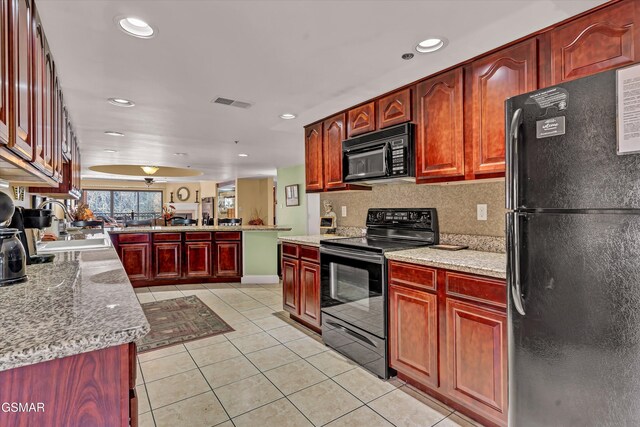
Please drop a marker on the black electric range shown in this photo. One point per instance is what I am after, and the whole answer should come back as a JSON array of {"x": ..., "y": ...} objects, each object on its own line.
[{"x": 354, "y": 282}]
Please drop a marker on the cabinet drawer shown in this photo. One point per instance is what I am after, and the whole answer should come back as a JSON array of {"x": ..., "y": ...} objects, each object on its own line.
[
  {"x": 195, "y": 235},
  {"x": 133, "y": 238},
  {"x": 167, "y": 237},
  {"x": 413, "y": 275},
  {"x": 310, "y": 253},
  {"x": 489, "y": 291},
  {"x": 228, "y": 235},
  {"x": 290, "y": 250}
]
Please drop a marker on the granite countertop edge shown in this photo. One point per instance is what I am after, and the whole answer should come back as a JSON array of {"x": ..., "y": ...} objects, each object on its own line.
[
  {"x": 466, "y": 261},
  {"x": 57, "y": 350},
  {"x": 183, "y": 229},
  {"x": 310, "y": 240}
]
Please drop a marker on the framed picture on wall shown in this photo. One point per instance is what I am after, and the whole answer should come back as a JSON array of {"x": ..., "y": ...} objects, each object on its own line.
[{"x": 291, "y": 195}]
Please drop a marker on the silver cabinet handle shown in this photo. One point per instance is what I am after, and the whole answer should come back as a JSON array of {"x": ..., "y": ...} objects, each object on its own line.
[
  {"x": 513, "y": 267},
  {"x": 512, "y": 160}
]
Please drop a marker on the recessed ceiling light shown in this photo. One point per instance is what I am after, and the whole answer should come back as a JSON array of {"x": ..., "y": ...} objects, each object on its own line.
[
  {"x": 288, "y": 116},
  {"x": 113, "y": 133},
  {"x": 243, "y": 155},
  {"x": 135, "y": 27},
  {"x": 110, "y": 151},
  {"x": 179, "y": 154},
  {"x": 121, "y": 102},
  {"x": 431, "y": 44}
]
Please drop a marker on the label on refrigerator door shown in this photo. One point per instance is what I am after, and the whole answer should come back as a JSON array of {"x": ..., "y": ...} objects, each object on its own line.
[
  {"x": 550, "y": 127},
  {"x": 628, "y": 106},
  {"x": 553, "y": 97}
]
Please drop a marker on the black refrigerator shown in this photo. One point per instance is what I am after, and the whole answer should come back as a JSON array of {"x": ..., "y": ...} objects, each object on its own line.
[{"x": 573, "y": 244}]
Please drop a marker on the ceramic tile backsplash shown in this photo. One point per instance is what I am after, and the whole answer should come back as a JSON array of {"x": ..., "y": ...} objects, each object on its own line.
[{"x": 456, "y": 205}]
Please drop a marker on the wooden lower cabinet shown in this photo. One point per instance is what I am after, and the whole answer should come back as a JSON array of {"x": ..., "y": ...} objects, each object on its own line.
[
  {"x": 175, "y": 257},
  {"x": 197, "y": 259},
  {"x": 448, "y": 337},
  {"x": 413, "y": 333},
  {"x": 310, "y": 292},
  {"x": 87, "y": 389},
  {"x": 290, "y": 285},
  {"x": 136, "y": 260},
  {"x": 167, "y": 259},
  {"x": 228, "y": 257},
  {"x": 301, "y": 284},
  {"x": 476, "y": 340}
]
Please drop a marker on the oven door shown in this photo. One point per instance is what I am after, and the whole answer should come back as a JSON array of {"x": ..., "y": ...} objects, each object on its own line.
[
  {"x": 366, "y": 163},
  {"x": 353, "y": 288}
]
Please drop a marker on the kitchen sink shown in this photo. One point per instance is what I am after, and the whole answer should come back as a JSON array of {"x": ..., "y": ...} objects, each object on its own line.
[{"x": 74, "y": 244}]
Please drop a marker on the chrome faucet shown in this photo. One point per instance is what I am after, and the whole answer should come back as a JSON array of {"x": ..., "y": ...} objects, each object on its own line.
[{"x": 64, "y": 209}]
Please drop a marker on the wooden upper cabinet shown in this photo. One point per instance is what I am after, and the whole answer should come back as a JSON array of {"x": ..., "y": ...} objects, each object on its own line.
[
  {"x": 22, "y": 32},
  {"x": 333, "y": 135},
  {"x": 4, "y": 72},
  {"x": 361, "y": 119},
  {"x": 476, "y": 353},
  {"x": 313, "y": 157},
  {"x": 600, "y": 41},
  {"x": 394, "y": 109},
  {"x": 493, "y": 79},
  {"x": 440, "y": 135}
]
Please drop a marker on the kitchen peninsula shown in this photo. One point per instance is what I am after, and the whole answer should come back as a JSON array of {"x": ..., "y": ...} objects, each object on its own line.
[
  {"x": 198, "y": 254},
  {"x": 68, "y": 334}
]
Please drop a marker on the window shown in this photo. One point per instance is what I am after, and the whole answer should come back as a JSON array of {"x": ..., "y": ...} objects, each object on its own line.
[{"x": 120, "y": 203}]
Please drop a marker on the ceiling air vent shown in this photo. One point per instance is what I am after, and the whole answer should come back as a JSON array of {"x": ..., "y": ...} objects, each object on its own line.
[{"x": 231, "y": 102}]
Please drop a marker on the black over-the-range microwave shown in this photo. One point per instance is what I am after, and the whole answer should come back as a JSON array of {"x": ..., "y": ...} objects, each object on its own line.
[{"x": 385, "y": 154}]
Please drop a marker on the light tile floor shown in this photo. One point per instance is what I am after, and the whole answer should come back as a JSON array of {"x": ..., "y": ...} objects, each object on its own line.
[{"x": 268, "y": 372}]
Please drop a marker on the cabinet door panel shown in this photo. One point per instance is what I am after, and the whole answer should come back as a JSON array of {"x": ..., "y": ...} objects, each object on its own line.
[
  {"x": 227, "y": 259},
  {"x": 4, "y": 72},
  {"x": 413, "y": 333},
  {"x": 136, "y": 259},
  {"x": 22, "y": 33},
  {"x": 290, "y": 285},
  {"x": 495, "y": 78},
  {"x": 167, "y": 260},
  {"x": 440, "y": 144},
  {"x": 597, "y": 42},
  {"x": 198, "y": 259},
  {"x": 313, "y": 158},
  {"x": 476, "y": 341},
  {"x": 310, "y": 292},
  {"x": 394, "y": 109},
  {"x": 361, "y": 119},
  {"x": 333, "y": 136}
]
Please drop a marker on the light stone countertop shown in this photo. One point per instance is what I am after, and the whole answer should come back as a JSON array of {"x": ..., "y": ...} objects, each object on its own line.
[
  {"x": 312, "y": 240},
  {"x": 81, "y": 302},
  {"x": 491, "y": 264},
  {"x": 182, "y": 229}
]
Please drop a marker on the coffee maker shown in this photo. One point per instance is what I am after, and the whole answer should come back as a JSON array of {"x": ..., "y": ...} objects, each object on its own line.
[
  {"x": 12, "y": 253},
  {"x": 27, "y": 221}
]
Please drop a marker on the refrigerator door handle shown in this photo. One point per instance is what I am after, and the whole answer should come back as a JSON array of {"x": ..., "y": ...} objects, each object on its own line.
[
  {"x": 513, "y": 242},
  {"x": 512, "y": 159}
]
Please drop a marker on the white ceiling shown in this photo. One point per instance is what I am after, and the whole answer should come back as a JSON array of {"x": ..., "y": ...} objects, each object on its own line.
[{"x": 308, "y": 57}]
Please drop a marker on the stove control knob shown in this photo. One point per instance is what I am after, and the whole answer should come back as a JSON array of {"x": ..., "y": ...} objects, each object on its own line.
[
  {"x": 380, "y": 216},
  {"x": 413, "y": 216}
]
